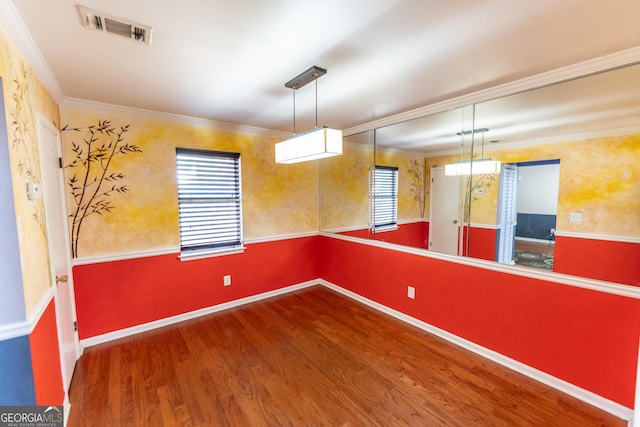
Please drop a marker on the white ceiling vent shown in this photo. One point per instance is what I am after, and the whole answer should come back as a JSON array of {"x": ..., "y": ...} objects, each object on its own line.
[{"x": 103, "y": 22}]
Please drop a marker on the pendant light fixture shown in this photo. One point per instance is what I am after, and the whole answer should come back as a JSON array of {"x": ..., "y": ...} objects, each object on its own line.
[
  {"x": 316, "y": 143},
  {"x": 480, "y": 166}
]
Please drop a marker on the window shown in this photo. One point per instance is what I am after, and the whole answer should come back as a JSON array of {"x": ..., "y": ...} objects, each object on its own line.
[
  {"x": 209, "y": 201},
  {"x": 385, "y": 197}
]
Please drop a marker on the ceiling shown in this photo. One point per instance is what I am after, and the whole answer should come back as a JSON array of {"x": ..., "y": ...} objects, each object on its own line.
[
  {"x": 228, "y": 60},
  {"x": 606, "y": 103}
]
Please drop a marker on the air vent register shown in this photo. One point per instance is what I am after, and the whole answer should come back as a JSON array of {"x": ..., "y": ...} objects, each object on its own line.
[{"x": 104, "y": 22}]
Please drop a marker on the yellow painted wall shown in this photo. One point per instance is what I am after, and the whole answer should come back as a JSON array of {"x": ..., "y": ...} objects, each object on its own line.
[
  {"x": 599, "y": 178},
  {"x": 408, "y": 209},
  {"x": 24, "y": 96},
  {"x": 344, "y": 188},
  {"x": 277, "y": 199}
]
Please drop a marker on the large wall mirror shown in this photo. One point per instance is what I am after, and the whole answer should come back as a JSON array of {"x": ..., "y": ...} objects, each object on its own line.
[{"x": 567, "y": 181}]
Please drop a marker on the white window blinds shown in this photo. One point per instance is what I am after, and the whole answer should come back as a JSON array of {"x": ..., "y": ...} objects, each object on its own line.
[
  {"x": 209, "y": 200},
  {"x": 507, "y": 215},
  {"x": 385, "y": 196}
]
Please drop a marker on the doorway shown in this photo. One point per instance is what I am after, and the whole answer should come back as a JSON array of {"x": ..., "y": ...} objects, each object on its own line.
[
  {"x": 527, "y": 213},
  {"x": 59, "y": 248}
]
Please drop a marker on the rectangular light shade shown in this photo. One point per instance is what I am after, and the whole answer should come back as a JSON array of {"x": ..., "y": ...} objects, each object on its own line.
[
  {"x": 314, "y": 144},
  {"x": 480, "y": 167}
]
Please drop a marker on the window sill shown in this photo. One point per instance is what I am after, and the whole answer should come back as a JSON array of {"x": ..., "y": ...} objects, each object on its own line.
[
  {"x": 210, "y": 254},
  {"x": 386, "y": 228}
]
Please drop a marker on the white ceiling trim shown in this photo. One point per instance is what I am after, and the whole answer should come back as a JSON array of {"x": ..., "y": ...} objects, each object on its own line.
[
  {"x": 581, "y": 69},
  {"x": 82, "y": 104},
  {"x": 540, "y": 141},
  {"x": 14, "y": 25}
]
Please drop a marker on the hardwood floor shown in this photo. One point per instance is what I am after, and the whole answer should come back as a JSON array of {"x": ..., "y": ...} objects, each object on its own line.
[
  {"x": 313, "y": 357},
  {"x": 539, "y": 247}
]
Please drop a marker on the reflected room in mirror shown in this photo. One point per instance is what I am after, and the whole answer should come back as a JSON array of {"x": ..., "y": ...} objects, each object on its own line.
[{"x": 566, "y": 198}]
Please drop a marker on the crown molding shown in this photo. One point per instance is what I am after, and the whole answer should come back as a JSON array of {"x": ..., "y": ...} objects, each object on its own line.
[
  {"x": 569, "y": 72},
  {"x": 16, "y": 29},
  {"x": 556, "y": 139},
  {"x": 83, "y": 104}
]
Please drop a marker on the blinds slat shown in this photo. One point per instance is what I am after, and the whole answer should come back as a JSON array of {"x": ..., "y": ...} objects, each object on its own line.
[
  {"x": 209, "y": 199},
  {"x": 385, "y": 196}
]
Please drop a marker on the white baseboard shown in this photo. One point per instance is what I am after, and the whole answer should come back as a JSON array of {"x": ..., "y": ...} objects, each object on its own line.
[
  {"x": 591, "y": 398},
  {"x": 144, "y": 327},
  {"x": 529, "y": 239},
  {"x": 586, "y": 396}
]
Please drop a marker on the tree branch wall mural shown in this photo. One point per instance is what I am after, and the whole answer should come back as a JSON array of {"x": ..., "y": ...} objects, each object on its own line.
[
  {"x": 24, "y": 140},
  {"x": 417, "y": 175},
  {"x": 92, "y": 182}
]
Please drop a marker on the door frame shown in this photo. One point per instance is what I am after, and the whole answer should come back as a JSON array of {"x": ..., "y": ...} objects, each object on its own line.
[
  {"x": 43, "y": 123},
  {"x": 432, "y": 207}
]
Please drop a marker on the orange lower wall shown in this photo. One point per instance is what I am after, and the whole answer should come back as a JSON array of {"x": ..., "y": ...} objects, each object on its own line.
[
  {"x": 607, "y": 260},
  {"x": 414, "y": 234},
  {"x": 45, "y": 359},
  {"x": 598, "y": 259},
  {"x": 482, "y": 243},
  {"x": 587, "y": 338},
  {"x": 120, "y": 294},
  {"x": 362, "y": 233}
]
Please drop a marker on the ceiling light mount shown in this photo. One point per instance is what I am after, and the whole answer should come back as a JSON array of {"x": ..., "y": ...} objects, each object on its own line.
[
  {"x": 481, "y": 166},
  {"x": 469, "y": 132},
  {"x": 305, "y": 77}
]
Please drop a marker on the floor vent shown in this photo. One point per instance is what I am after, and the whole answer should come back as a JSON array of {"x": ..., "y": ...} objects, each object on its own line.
[{"x": 102, "y": 22}]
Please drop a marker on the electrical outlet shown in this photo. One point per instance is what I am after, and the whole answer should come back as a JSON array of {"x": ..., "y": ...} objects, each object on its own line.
[
  {"x": 575, "y": 217},
  {"x": 227, "y": 280},
  {"x": 411, "y": 292}
]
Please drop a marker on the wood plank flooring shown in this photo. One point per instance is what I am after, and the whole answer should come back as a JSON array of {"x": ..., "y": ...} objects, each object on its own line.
[
  {"x": 539, "y": 247},
  {"x": 309, "y": 358}
]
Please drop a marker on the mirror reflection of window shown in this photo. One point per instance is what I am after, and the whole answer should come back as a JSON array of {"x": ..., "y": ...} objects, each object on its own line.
[{"x": 385, "y": 197}]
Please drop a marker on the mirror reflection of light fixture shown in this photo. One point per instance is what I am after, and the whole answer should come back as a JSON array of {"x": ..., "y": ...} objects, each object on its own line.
[
  {"x": 313, "y": 144},
  {"x": 474, "y": 167}
]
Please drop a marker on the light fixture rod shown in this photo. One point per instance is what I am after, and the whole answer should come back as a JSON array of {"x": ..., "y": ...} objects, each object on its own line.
[
  {"x": 305, "y": 77},
  {"x": 469, "y": 132}
]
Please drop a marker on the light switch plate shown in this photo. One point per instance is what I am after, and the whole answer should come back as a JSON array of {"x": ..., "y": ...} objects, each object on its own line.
[{"x": 575, "y": 217}]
